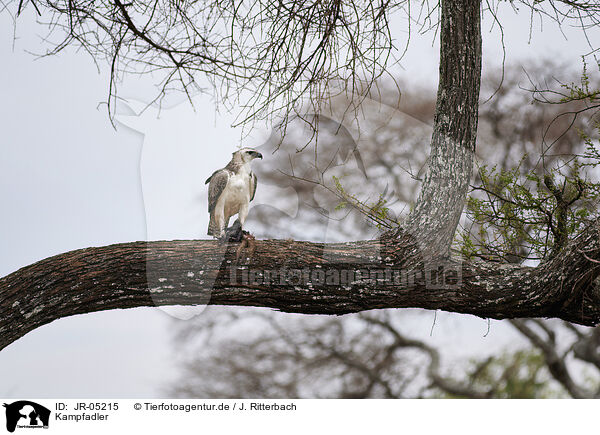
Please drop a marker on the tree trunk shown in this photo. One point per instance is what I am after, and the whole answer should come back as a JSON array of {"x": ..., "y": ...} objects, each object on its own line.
[{"x": 441, "y": 199}]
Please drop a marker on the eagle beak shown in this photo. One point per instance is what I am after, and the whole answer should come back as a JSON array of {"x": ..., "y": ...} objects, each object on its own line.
[{"x": 258, "y": 155}]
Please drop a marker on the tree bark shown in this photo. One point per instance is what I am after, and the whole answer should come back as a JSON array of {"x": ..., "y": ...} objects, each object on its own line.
[
  {"x": 450, "y": 165},
  {"x": 300, "y": 277}
]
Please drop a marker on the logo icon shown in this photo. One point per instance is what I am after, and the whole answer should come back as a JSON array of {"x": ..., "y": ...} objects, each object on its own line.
[{"x": 26, "y": 414}]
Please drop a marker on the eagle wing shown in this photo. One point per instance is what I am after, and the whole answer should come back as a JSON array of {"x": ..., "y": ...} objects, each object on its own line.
[
  {"x": 252, "y": 185},
  {"x": 218, "y": 181}
]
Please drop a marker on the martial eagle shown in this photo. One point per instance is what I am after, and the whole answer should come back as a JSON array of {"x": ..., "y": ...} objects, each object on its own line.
[{"x": 230, "y": 191}]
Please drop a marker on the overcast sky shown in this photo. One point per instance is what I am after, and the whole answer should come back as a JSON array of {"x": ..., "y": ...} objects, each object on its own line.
[{"x": 69, "y": 180}]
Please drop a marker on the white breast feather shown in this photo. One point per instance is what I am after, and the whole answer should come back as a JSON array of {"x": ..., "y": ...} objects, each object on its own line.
[{"x": 236, "y": 193}]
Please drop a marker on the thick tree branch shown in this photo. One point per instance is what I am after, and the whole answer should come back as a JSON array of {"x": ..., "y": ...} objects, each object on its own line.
[
  {"x": 301, "y": 277},
  {"x": 444, "y": 190}
]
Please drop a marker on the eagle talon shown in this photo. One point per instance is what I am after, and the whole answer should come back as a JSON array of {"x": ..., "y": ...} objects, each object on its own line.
[{"x": 233, "y": 234}]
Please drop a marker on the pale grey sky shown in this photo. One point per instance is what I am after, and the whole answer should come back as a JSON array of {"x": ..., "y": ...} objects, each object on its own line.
[{"x": 68, "y": 180}]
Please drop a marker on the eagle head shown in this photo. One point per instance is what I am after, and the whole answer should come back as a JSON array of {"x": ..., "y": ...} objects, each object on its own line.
[{"x": 246, "y": 155}]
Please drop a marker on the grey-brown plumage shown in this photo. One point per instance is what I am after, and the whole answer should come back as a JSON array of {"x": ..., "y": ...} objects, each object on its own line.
[
  {"x": 230, "y": 191},
  {"x": 218, "y": 181}
]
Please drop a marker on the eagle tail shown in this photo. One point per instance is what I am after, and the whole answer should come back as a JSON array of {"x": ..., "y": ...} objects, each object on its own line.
[{"x": 213, "y": 226}]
